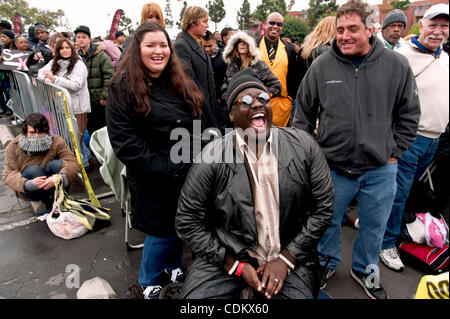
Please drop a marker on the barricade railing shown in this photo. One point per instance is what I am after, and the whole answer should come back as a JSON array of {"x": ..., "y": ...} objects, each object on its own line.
[
  {"x": 23, "y": 102},
  {"x": 51, "y": 104},
  {"x": 34, "y": 95}
]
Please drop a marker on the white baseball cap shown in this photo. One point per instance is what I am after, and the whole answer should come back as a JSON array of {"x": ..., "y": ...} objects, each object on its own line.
[{"x": 436, "y": 10}]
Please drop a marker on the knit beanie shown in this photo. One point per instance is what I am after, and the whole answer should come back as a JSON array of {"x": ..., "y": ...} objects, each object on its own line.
[
  {"x": 39, "y": 26},
  {"x": 240, "y": 81},
  {"x": 5, "y": 24},
  {"x": 395, "y": 15},
  {"x": 9, "y": 34}
]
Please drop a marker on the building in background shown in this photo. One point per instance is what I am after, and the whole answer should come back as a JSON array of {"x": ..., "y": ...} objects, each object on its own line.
[{"x": 414, "y": 13}]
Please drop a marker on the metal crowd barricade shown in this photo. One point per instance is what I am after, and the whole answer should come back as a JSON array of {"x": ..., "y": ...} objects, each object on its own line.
[
  {"x": 49, "y": 103},
  {"x": 23, "y": 101}
]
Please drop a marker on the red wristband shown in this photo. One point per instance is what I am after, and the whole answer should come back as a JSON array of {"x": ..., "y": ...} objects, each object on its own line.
[{"x": 239, "y": 269}]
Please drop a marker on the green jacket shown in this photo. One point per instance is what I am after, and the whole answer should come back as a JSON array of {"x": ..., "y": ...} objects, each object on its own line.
[{"x": 100, "y": 72}]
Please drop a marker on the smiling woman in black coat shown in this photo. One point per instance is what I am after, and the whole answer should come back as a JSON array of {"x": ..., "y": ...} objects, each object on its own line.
[{"x": 149, "y": 97}]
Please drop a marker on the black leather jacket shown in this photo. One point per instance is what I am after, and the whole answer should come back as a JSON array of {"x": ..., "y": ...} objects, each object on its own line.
[{"x": 216, "y": 212}]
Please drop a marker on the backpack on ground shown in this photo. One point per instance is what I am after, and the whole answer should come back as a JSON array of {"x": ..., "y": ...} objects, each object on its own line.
[{"x": 431, "y": 260}]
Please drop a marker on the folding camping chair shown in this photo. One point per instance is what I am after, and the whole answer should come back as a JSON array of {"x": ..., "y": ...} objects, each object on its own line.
[{"x": 114, "y": 174}]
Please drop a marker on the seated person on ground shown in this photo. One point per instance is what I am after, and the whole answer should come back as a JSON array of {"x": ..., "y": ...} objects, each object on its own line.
[
  {"x": 33, "y": 157},
  {"x": 255, "y": 212}
]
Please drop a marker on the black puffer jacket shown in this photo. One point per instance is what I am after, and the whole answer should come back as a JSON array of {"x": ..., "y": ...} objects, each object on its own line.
[
  {"x": 216, "y": 212},
  {"x": 260, "y": 67},
  {"x": 143, "y": 145}
]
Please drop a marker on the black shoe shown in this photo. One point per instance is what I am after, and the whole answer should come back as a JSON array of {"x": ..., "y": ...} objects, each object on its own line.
[
  {"x": 376, "y": 292},
  {"x": 325, "y": 276}
]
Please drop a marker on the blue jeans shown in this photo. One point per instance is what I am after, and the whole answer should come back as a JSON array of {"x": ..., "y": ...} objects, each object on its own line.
[
  {"x": 376, "y": 191},
  {"x": 31, "y": 172},
  {"x": 159, "y": 254},
  {"x": 411, "y": 166}
]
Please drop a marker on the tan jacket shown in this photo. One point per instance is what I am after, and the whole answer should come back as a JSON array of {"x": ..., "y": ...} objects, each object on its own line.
[
  {"x": 16, "y": 161},
  {"x": 432, "y": 78}
]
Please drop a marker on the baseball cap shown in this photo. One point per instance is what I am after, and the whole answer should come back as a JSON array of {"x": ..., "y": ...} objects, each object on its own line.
[
  {"x": 436, "y": 10},
  {"x": 84, "y": 29}
]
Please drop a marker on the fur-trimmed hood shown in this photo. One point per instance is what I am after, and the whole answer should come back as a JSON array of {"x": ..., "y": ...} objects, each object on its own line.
[{"x": 247, "y": 38}]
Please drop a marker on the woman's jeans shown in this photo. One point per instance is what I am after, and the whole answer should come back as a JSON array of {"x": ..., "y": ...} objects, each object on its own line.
[
  {"x": 46, "y": 196},
  {"x": 376, "y": 191},
  {"x": 158, "y": 255}
]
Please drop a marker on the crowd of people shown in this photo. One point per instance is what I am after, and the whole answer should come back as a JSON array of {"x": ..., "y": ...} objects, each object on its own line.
[{"x": 350, "y": 116}]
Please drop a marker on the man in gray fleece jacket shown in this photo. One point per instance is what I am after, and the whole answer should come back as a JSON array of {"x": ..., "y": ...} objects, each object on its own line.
[{"x": 369, "y": 113}]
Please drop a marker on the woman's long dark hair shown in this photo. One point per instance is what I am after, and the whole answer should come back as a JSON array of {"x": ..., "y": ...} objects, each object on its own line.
[
  {"x": 73, "y": 58},
  {"x": 133, "y": 72}
]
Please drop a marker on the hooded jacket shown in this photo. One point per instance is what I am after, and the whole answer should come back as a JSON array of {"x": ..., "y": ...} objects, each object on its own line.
[
  {"x": 367, "y": 114},
  {"x": 75, "y": 83},
  {"x": 260, "y": 67},
  {"x": 100, "y": 72},
  {"x": 216, "y": 215}
]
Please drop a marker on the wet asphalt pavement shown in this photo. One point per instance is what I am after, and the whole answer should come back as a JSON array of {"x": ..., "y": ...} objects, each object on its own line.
[{"x": 35, "y": 264}]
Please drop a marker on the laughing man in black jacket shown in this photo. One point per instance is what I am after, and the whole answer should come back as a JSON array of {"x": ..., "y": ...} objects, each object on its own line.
[{"x": 253, "y": 216}]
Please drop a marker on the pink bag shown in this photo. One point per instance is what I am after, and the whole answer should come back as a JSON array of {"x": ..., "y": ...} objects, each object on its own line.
[{"x": 435, "y": 232}]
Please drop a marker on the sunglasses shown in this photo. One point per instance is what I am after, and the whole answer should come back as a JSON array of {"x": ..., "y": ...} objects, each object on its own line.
[
  {"x": 247, "y": 100},
  {"x": 271, "y": 22}
]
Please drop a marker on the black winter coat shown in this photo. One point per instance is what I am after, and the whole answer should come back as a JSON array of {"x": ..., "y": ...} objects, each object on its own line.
[
  {"x": 216, "y": 211},
  {"x": 197, "y": 65},
  {"x": 263, "y": 72},
  {"x": 143, "y": 145}
]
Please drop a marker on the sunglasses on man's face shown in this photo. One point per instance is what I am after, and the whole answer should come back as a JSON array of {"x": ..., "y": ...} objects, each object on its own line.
[
  {"x": 247, "y": 100},
  {"x": 271, "y": 22}
]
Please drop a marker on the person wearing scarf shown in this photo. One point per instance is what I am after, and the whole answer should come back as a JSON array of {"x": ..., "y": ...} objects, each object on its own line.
[{"x": 33, "y": 157}]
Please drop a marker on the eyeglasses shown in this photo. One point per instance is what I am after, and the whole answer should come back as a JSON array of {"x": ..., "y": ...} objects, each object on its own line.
[
  {"x": 247, "y": 100},
  {"x": 271, "y": 22}
]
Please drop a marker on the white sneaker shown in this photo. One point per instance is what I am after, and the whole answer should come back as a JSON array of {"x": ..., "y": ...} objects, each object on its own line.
[
  {"x": 391, "y": 259},
  {"x": 152, "y": 292}
]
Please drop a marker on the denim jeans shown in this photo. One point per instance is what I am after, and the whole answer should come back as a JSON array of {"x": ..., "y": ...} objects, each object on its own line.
[
  {"x": 31, "y": 172},
  {"x": 411, "y": 166},
  {"x": 159, "y": 254},
  {"x": 375, "y": 191}
]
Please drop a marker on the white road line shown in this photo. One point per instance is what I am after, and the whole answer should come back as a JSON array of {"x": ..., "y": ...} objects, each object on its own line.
[{"x": 22, "y": 223}]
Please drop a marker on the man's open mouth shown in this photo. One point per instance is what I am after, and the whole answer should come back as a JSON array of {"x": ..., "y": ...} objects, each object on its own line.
[{"x": 258, "y": 120}]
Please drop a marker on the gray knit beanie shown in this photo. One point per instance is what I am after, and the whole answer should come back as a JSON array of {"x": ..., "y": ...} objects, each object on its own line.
[
  {"x": 40, "y": 26},
  {"x": 240, "y": 81},
  {"x": 395, "y": 15}
]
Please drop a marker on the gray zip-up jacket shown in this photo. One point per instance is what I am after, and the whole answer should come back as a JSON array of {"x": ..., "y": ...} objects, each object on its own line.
[{"x": 367, "y": 114}]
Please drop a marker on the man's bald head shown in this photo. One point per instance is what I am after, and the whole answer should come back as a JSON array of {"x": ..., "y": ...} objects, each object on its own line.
[
  {"x": 275, "y": 15},
  {"x": 275, "y": 23}
]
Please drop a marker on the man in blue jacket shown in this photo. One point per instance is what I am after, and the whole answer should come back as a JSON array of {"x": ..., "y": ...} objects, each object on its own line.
[{"x": 369, "y": 113}]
